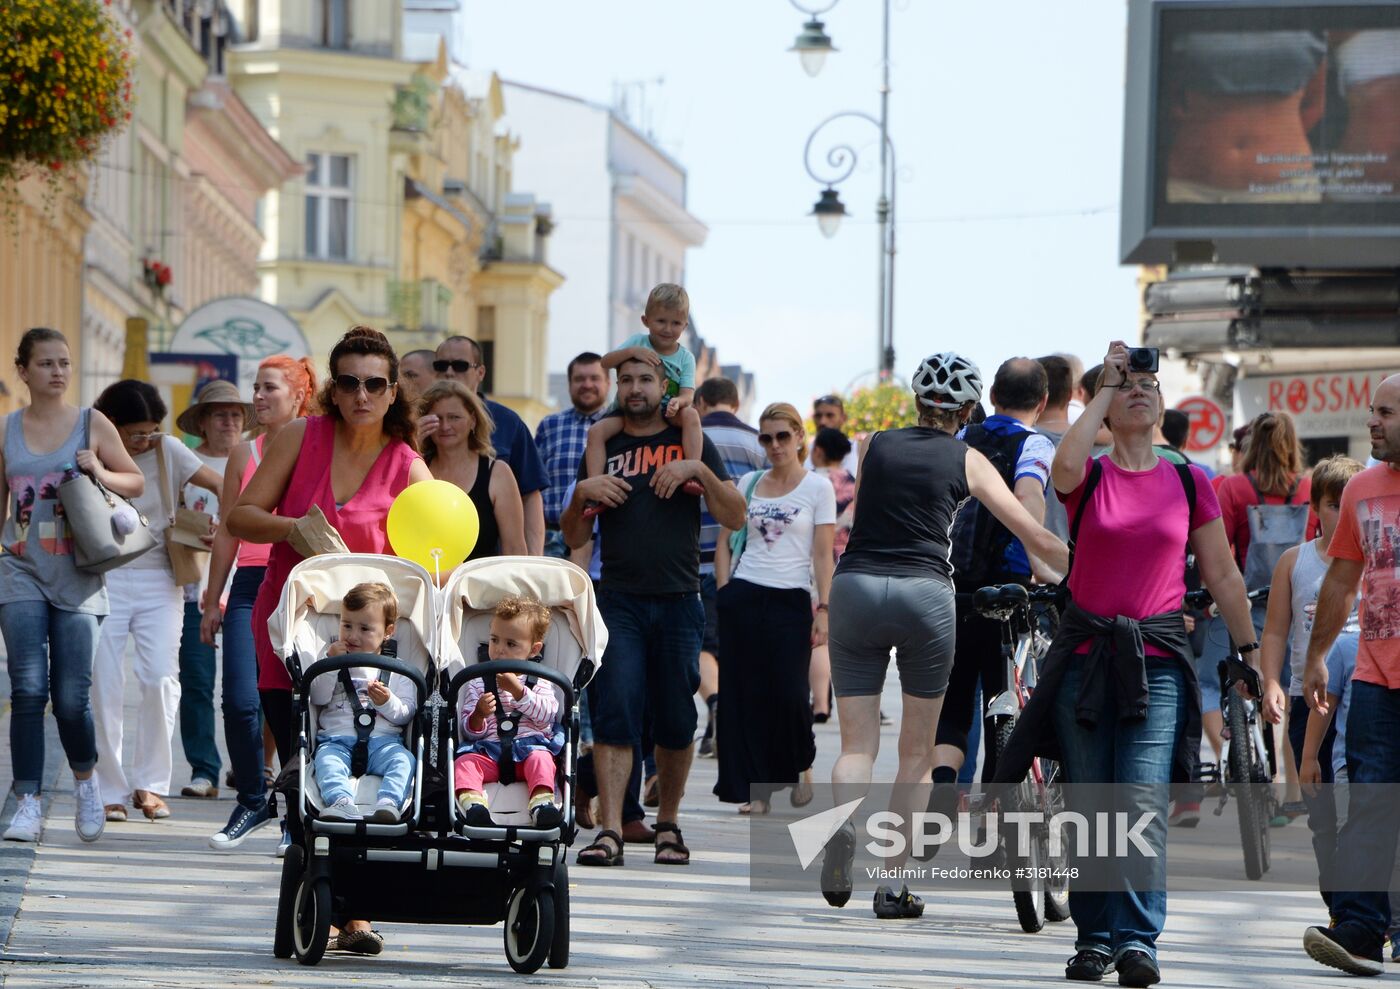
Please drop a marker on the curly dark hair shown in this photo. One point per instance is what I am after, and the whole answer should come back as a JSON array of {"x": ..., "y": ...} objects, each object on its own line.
[
  {"x": 399, "y": 421},
  {"x": 128, "y": 401}
]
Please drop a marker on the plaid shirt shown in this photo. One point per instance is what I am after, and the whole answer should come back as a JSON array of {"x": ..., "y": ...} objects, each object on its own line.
[{"x": 561, "y": 439}]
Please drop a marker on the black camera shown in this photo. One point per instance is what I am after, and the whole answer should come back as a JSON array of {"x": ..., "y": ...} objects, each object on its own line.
[{"x": 1143, "y": 359}]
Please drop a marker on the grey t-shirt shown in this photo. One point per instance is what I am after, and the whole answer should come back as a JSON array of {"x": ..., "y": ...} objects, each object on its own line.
[
  {"x": 37, "y": 564},
  {"x": 1056, "y": 519}
]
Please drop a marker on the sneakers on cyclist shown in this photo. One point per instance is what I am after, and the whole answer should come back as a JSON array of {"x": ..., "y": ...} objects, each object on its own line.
[
  {"x": 1136, "y": 968},
  {"x": 905, "y": 906},
  {"x": 942, "y": 800},
  {"x": 836, "y": 866},
  {"x": 1088, "y": 966},
  {"x": 1184, "y": 814},
  {"x": 1347, "y": 947}
]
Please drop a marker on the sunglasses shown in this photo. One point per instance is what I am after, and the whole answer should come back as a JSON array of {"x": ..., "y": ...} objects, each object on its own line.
[
  {"x": 768, "y": 439},
  {"x": 144, "y": 437},
  {"x": 458, "y": 367},
  {"x": 348, "y": 384}
]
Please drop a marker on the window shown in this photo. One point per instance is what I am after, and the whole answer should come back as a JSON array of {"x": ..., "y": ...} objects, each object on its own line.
[
  {"x": 334, "y": 28},
  {"x": 328, "y": 206}
]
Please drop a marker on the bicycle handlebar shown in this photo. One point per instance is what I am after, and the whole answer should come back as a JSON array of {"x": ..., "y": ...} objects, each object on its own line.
[
  {"x": 1201, "y": 600},
  {"x": 1000, "y": 601}
]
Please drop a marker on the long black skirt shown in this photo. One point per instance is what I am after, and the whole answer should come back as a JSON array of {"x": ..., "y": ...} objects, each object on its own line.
[{"x": 764, "y": 738}]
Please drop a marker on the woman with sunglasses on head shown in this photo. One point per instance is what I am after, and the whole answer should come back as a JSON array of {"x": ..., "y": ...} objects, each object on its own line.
[
  {"x": 350, "y": 463},
  {"x": 894, "y": 590},
  {"x": 147, "y": 605},
  {"x": 766, "y": 624},
  {"x": 284, "y": 390},
  {"x": 459, "y": 450},
  {"x": 50, "y": 611},
  {"x": 1116, "y": 701}
]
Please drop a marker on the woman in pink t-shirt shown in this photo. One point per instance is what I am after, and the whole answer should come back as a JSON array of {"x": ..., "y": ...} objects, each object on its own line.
[{"x": 1117, "y": 699}]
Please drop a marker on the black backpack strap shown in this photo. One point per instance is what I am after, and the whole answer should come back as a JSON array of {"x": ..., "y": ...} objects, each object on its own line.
[
  {"x": 364, "y": 725},
  {"x": 1188, "y": 484},
  {"x": 1090, "y": 483}
]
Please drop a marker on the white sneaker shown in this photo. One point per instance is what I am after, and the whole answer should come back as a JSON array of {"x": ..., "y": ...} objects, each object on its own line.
[
  {"x": 343, "y": 809},
  {"x": 28, "y": 821},
  {"x": 90, "y": 817},
  {"x": 202, "y": 788},
  {"x": 386, "y": 811}
]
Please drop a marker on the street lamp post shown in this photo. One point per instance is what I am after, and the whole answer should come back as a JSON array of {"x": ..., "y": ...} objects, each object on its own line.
[{"x": 812, "y": 46}]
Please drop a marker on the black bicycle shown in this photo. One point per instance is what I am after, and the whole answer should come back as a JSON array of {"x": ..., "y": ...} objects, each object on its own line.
[
  {"x": 1039, "y": 881},
  {"x": 1248, "y": 763}
]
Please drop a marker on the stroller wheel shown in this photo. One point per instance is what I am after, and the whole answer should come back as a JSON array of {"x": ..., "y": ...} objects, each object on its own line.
[
  {"x": 311, "y": 919},
  {"x": 529, "y": 929},
  {"x": 559, "y": 950},
  {"x": 282, "y": 936}
]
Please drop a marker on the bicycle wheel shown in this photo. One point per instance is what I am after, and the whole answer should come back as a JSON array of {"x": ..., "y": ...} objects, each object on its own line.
[
  {"x": 1057, "y": 886},
  {"x": 1251, "y": 794},
  {"x": 1027, "y": 893}
]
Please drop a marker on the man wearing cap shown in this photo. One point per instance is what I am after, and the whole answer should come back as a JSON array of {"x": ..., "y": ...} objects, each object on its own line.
[{"x": 218, "y": 417}]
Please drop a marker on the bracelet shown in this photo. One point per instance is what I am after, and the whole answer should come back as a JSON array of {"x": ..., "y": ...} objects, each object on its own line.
[{"x": 1253, "y": 646}]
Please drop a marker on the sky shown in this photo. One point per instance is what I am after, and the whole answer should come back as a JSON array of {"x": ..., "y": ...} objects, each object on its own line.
[{"x": 1007, "y": 126}]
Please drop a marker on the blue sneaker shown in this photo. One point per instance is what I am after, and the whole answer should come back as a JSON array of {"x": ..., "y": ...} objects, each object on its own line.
[{"x": 241, "y": 823}]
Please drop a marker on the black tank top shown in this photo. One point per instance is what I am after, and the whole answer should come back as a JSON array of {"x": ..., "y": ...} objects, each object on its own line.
[
  {"x": 911, "y": 484},
  {"x": 488, "y": 540}
]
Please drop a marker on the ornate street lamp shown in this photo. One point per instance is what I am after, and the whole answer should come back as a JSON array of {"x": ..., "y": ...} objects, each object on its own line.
[{"x": 813, "y": 45}]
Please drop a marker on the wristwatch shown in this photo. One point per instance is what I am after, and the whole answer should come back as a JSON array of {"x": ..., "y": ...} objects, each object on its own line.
[{"x": 1249, "y": 648}]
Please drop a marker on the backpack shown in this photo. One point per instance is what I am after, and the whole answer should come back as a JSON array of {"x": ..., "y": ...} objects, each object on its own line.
[
  {"x": 979, "y": 542},
  {"x": 1272, "y": 530}
]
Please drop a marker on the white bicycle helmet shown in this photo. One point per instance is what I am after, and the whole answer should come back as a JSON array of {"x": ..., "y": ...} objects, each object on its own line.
[{"x": 947, "y": 381}]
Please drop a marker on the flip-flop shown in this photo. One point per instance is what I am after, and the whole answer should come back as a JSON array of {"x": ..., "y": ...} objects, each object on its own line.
[
  {"x": 609, "y": 857},
  {"x": 677, "y": 846}
]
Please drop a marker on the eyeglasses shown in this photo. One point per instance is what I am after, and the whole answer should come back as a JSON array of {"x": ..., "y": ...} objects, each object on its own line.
[
  {"x": 1146, "y": 384},
  {"x": 144, "y": 437},
  {"x": 348, "y": 384},
  {"x": 768, "y": 439},
  {"x": 458, "y": 367}
]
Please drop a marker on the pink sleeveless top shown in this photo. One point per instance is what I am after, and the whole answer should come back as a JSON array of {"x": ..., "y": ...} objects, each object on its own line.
[
  {"x": 253, "y": 554},
  {"x": 361, "y": 522}
]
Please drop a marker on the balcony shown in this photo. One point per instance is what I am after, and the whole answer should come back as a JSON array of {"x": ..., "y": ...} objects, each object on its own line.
[{"x": 422, "y": 306}]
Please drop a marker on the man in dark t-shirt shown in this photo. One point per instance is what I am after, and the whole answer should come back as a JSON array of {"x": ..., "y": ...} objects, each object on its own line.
[{"x": 650, "y": 601}]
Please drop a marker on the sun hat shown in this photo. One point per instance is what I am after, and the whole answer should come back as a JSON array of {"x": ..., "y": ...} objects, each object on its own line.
[{"x": 217, "y": 392}]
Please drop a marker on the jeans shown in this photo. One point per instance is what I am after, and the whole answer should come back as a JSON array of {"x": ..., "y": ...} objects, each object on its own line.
[
  {"x": 197, "y": 700},
  {"x": 50, "y": 654},
  {"x": 653, "y": 663},
  {"x": 1322, "y": 809},
  {"x": 388, "y": 759},
  {"x": 242, "y": 707},
  {"x": 1124, "y": 752},
  {"x": 1366, "y": 844}
]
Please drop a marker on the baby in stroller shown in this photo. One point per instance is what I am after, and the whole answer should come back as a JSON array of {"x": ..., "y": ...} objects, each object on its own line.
[
  {"x": 355, "y": 703},
  {"x": 518, "y": 630}
]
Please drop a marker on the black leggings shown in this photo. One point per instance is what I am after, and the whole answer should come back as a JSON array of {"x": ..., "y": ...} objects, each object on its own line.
[
  {"x": 277, "y": 709},
  {"x": 976, "y": 654}
]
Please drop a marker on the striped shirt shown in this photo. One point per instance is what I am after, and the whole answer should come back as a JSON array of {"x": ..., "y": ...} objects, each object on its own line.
[
  {"x": 561, "y": 439},
  {"x": 538, "y": 707},
  {"x": 738, "y": 447}
]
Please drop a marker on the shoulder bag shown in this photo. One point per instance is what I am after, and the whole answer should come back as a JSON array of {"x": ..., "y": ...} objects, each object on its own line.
[
  {"x": 89, "y": 508},
  {"x": 740, "y": 537},
  {"x": 186, "y": 562}
]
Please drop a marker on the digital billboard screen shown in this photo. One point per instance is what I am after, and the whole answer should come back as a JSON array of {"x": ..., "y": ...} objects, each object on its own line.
[{"x": 1250, "y": 117}]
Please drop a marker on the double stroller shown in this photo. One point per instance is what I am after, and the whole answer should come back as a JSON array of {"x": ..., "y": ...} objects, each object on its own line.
[{"x": 429, "y": 866}]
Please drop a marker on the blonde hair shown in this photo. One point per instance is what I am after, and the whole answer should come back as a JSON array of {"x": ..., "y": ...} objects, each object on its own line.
[
  {"x": 536, "y": 615},
  {"x": 479, "y": 441},
  {"x": 784, "y": 412},
  {"x": 367, "y": 595},
  {"x": 668, "y": 295},
  {"x": 1274, "y": 456},
  {"x": 1330, "y": 476}
]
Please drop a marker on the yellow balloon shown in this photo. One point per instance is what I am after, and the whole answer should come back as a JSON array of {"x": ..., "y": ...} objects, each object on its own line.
[{"x": 434, "y": 524}]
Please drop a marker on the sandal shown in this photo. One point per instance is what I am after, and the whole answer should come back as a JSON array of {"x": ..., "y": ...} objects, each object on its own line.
[
  {"x": 651, "y": 792},
  {"x": 149, "y": 804},
  {"x": 360, "y": 942},
  {"x": 115, "y": 812},
  {"x": 602, "y": 854},
  {"x": 801, "y": 794},
  {"x": 754, "y": 807},
  {"x": 677, "y": 846}
]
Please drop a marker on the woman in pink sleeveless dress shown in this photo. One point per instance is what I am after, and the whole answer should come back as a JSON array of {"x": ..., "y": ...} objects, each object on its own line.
[
  {"x": 350, "y": 463},
  {"x": 285, "y": 389}
]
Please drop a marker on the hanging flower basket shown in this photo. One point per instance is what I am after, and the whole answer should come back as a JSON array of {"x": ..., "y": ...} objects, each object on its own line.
[
  {"x": 157, "y": 276},
  {"x": 888, "y": 405},
  {"x": 65, "y": 85}
]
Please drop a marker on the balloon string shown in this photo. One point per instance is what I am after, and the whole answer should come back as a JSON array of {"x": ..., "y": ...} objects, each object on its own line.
[{"x": 437, "y": 565}]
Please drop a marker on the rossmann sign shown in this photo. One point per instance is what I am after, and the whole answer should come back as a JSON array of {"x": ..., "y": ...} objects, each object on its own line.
[{"x": 1335, "y": 403}]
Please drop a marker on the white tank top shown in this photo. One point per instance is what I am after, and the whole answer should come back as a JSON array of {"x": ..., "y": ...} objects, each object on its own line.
[{"x": 1308, "y": 571}]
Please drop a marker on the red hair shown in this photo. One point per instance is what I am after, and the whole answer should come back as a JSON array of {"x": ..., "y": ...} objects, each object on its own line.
[{"x": 300, "y": 374}]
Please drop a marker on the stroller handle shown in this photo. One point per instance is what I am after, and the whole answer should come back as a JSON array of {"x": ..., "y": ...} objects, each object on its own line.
[
  {"x": 520, "y": 667},
  {"x": 388, "y": 664}
]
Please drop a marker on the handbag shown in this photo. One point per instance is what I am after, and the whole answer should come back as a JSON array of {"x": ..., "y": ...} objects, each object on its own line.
[
  {"x": 99, "y": 544},
  {"x": 186, "y": 563},
  {"x": 739, "y": 538}
]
